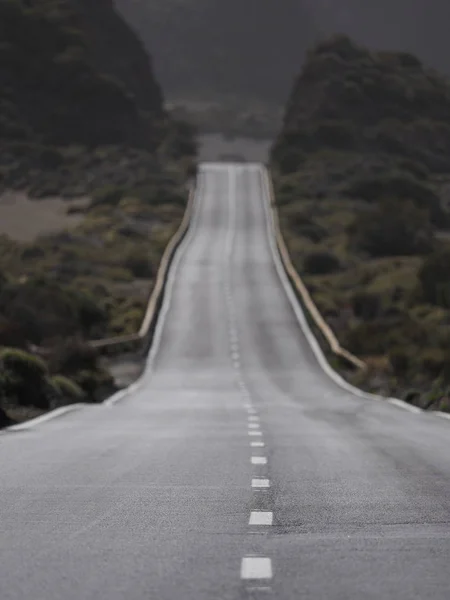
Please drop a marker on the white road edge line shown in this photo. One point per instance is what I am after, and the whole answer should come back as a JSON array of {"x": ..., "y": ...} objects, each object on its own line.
[
  {"x": 58, "y": 412},
  {"x": 298, "y": 310},
  {"x": 256, "y": 567},
  {"x": 261, "y": 517}
]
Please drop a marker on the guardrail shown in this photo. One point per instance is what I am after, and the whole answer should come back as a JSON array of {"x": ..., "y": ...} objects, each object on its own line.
[
  {"x": 303, "y": 293},
  {"x": 146, "y": 331}
]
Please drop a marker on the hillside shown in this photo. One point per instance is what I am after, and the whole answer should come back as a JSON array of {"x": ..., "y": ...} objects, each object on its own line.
[
  {"x": 81, "y": 116},
  {"x": 362, "y": 175},
  {"x": 210, "y": 49}
]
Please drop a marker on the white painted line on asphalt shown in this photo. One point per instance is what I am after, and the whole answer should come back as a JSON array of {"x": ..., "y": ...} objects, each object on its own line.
[
  {"x": 257, "y": 444},
  {"x": 253, "y": 418},
  {"x": 260, "y": 517},
  {"x": 253, "y": 425},
  {"x": 260, "y": 482},
  {"x": 58, "y": 412},
  {"x": 256, "y": 567},
  {"x": 259, "y": 460},
  {"x": 251, "y": 432},
  {"x": 404, "y": 405},
  {"x": 441, "y": 414}
]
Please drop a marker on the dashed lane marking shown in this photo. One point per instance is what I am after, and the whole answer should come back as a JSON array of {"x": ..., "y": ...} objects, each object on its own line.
[
  {"x": 253, "y": 418},
  {"x": 252, "y": 432},
  {"x": 260, "y": 517},
  {"x": 257, "y": 444},
  {"x": 256, "y": 567},
  {"x": 253, "y": 425},
  {"x": 260, "y": 482},
  {"x": 259, "y": 460}
]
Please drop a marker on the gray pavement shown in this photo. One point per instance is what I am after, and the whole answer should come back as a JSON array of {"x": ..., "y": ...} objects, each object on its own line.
[{"x": 158, "y": 497}]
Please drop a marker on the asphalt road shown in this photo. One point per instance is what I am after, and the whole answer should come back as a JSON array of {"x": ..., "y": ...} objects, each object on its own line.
[{"x": 238, "y": 469}]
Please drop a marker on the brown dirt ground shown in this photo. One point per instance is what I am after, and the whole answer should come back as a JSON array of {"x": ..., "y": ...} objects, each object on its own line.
[{"x": 24, "y": 220}]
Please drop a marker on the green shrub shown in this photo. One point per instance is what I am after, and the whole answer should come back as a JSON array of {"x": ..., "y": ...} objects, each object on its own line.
[
  {"x": 72, "y": 356},
  {"x": 435, "y": 362},
  {"x": 399, "y": 186},
  {"x": 434, "y": 277},
  {"x": 400, "y": 360},
  {"x": 24, "y": 379},
  {"x": 378, "y": 337},
  {"x": 96, "y": 384},
  {"x": 23, "y": 363},
  {"x": 67, "y": 388},
  {"x": 412, "y": 397},
  {"x": 139, "y": 264},
  {"x": 109, "y": 195},
  {"x": 393, "y": 228},
  {"x": 366, "y": 305},
  {"x": 321, "y": 263}
]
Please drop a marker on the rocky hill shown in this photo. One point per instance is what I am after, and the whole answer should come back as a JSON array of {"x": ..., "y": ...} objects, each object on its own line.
[
  {"x": 73, "y": 75},
  {"x": 352, "y": 99},
  {"x": 362, "y": 170},
  {"x": 64, "y": 81}
]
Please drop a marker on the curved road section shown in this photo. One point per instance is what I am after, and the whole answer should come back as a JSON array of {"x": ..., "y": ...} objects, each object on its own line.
[{"x": 237, "y": 468}]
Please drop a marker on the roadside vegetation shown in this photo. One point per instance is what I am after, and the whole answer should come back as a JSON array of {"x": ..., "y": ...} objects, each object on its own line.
[
  {"x": 81, "y": 116},
  {"x": 362, "y": 175}
]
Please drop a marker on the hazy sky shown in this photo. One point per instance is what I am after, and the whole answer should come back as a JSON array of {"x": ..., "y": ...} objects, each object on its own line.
[{"x": 418, "y": 26}]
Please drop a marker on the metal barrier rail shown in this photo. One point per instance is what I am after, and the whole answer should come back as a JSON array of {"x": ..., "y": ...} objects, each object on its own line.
[{"x": 303, "y": 292}]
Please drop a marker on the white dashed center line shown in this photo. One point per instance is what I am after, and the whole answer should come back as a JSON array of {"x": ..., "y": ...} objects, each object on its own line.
[
  {"x": 253, "y": 425},
  {"x": 253, "y": 418},
  {"x": 260, "y": 517},
  {"x": 254, "y": 433},
  {"x": 259, "y": 460},
  {"x": 256, "y": 567},
  {"x": 257, "y": 444},
  {"x": 260, "y": 483}
]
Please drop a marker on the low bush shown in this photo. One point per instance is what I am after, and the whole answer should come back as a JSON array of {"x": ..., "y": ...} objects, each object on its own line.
[
  {"x": 366, "y": 305},
  {"x": 138, "y": 263},
  {"x": 434, "y": 277},
  {"x": 73, "y": 355},
  {"x": 321, "y": 263},
  {"x": 435, "y": 362},
  {"x": 393, "y": 228},
  {"x": 108, "y": 195},
  {"x": 24, "y": 379},
  {"x": 400, "y": 360},
  {"x": 400, "y": 186},
  {"x": 67, "y": 388}
]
